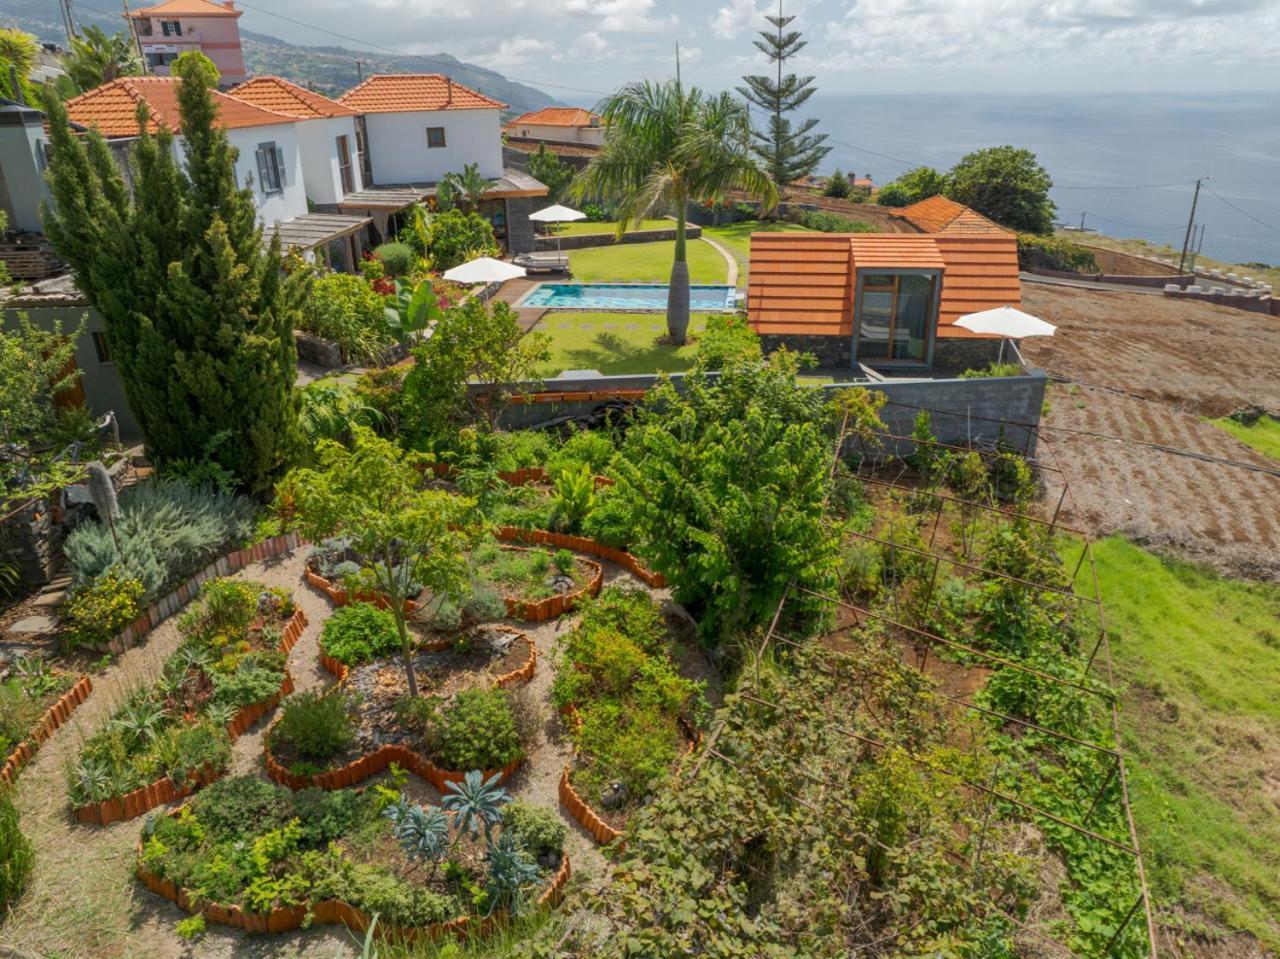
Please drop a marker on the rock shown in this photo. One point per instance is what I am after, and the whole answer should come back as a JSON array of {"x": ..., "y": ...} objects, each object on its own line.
[
  {"x": 560, "y": 583},
  {"x": 549, "y": 860},
  {"x": 613, "y": 795},
  {"x": 35, "y": 625}
]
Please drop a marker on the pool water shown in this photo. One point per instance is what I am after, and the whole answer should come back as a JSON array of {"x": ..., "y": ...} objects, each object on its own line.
[{"x": 625, "y": 296}]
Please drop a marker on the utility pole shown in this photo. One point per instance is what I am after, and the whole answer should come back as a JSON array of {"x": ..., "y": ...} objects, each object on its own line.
[
  {"x": 137, "y": 37},
  {"x": 1082, "y": 216},
  {"x": 68, "y": 21},
  {"x": 1191, "y": 220},
  {"x": 677, "y": 65},
  {"x": 359, "y": 71},
  {"x": 1199, "y": 246}
]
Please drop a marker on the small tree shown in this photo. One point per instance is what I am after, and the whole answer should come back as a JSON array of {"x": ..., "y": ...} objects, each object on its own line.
[
  {"x": 1008, "y": 185},
  {"x": 19, "y": 50},
  {"x": 372, "y": 494},
  {"x": 467, "y": 187},
  {"x": 550, "y": 170},
  {"x": 726, "y": 484},
  {"x": 96, "y": 58},
  {"x": 454, "y": 237},
  {"x": 199, "y": 315},
  {"x": 837, "y": 185},
  {"x": 33, "y": 367},
  {"x": 476, "y": 345}
]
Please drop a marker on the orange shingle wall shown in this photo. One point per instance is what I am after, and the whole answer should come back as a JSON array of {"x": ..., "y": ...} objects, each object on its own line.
[
  {"x": 982, "y": 273},
  {"x": 800, "y": 284}
]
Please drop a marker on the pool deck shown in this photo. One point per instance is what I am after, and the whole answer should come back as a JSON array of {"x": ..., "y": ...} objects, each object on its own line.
[{"x": 512, "y": 292}]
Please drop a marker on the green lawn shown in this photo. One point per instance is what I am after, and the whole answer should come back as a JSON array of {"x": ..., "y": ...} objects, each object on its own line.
[
  {"x": 614, "y": 343},
  {"x": 1198, "y": 659},
  {"x": 645, "y": 263},
  {"x": 583, "y": 227},
  {"x": 1263, "y": 435},
  {"x": 736, "y": 238}
]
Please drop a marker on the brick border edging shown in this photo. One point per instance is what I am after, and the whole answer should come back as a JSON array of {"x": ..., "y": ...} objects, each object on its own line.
[
  {"x": 332, "y": 911},
  {"x": 372, "y": 763},
  {"x": 583, "y": 544},
  {"x": 53, "y": 718},
  {"x": 519, "y": 675},
  {"x": 162, "y": 791},
  {"x": 175, "y": 599},
  {"x": 579, "y": 808}
]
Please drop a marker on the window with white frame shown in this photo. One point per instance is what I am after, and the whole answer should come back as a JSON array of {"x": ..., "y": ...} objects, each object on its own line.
[
  {"x": 171, "y": 28},
  {"x": 271, "y": 176}
]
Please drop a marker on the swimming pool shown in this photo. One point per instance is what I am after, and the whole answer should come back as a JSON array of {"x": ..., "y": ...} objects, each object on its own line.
[{"x": 625, "y": 296}]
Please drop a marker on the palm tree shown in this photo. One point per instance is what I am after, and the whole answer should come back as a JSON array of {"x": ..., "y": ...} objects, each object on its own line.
[
  {"x": 666, "y": 147},
  {"x": 96, "y": 58},
  {"x": 18, "y": 50},
  {"x": 468, "y": 186}
]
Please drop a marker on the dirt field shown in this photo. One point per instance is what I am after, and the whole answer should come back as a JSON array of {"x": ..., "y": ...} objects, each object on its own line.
[{"x": 1144, "y": 370}]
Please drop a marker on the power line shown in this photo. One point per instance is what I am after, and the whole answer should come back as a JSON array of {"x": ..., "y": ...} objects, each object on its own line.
[
  {"x": 1269, "y": 226},
  {"x": 1134, "y": 186}
]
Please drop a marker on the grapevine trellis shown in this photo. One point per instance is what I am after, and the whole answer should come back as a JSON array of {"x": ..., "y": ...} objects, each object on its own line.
[{"x": 870, "y": 467}]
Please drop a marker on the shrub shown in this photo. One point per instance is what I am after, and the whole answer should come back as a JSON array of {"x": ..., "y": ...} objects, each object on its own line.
[
  {"x": 186, "y": 748},
  {"x": 539, "y": 830},
  {"x": 521, "y": 449},
  {"x": 628, "y": 610},
  {"x": 590, "y": 448},
  {"x": 455, "y": 237},
  {"x": 343, "y": 307},
  {"x": 485, "y": 604},
  {"x": 16, "y": 855},
  {"x": 99, "y": 609},
  {"x": 1054, "y": 253},
  {"x": 573, "y": 497},
  {"x": 992, "y": 370},
  {"x": 241, "y": 806},
  {"x": 630, "y": 742},
  {"x": 359, "y": 633},
  {"x": 226, "y": 608},
  {"x": 597, "y": 213},
  {"x": 837, "y": 185},
  {"x": 478, "y": 731},
  {"x": 825, "y": 222},
  {"x": 167, "y": 529},
  {"x": 398, "y": 259},
  {"x": 893, "y": 194},
  {"x": 610, "y": 521},
  {"x": 726, "y": 339},
  {"x": 317, "y": 725}
]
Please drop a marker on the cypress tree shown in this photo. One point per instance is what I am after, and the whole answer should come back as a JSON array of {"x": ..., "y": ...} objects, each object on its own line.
[
  {"x": 788, "y": 153},
  {"x": 199, "y": 316}
]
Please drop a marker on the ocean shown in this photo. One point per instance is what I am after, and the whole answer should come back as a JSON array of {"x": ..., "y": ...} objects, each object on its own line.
[{"x": 1126, "y": 162}]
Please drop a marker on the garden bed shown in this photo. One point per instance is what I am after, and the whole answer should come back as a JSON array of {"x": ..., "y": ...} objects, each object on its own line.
[
  {"x": 301, "y": 873},
  {"x": 36, "y": 701},
  {"x": 228, "y": 673},
  {"x": 628, "y": 709},
  {"x": 537, "y": 585}
]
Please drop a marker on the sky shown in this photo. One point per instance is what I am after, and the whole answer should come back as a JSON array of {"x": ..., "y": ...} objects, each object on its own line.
[{"x": 579, "y": 49}]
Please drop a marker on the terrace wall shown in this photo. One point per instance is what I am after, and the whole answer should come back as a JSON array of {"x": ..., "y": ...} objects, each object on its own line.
[{"x": 583, "y": 241}]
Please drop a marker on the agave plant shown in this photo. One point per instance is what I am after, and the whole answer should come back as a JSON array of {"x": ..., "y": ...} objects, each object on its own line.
[
  {"x": 423, "y": 833},
  {"x": 140, "y": 720},
  {"x": 91, "y": 782},
  {"x": 221, "y": 714},
  {"x": 476, "y": 802},
  {"x": 511, "y": 872}
]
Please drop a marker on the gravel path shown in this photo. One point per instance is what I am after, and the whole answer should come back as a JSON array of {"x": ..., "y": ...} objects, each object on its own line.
[{"x": 84, "y": 903}]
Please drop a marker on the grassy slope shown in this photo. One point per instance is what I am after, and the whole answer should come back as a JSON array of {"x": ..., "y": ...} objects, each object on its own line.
[
  {"x": 583, "y": 227},
  {"x": 1147, "y": 248},
  {"x": 736, "y": 238},
  {"x": 1263, "y": 435},
  {"x": 1199, "y": 658},
  {"x": 645, "y": 263},
  {"x": 580, "y": 341}
]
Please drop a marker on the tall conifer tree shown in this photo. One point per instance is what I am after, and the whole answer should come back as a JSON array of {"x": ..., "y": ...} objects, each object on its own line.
[
  {"x": 199, "y": 317},
  {"x": 789, "y": 154}
]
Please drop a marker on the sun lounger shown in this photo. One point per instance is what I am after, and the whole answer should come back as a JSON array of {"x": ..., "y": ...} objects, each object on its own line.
[{"x": 543, "y": 262}]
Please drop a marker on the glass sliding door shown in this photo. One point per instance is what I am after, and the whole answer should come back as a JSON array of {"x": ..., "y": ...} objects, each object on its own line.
[{"x": 896, "y": 314}]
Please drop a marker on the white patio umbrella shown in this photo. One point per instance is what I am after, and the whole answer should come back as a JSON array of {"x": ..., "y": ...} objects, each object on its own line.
[
  {"x": 1006, "y": 322},
  {"x": 484, "y": 270},
  {"x": 557, "y": 214}
]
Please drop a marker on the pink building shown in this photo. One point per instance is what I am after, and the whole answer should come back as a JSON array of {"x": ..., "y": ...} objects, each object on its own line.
[{"x": 174, "y": 27}]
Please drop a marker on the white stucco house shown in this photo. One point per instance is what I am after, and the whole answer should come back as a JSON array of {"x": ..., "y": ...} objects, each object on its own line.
[
  {"x": 415, "y": 129},
  {"x": 268, "y": 143},
  {"x": 326, "y": 131},
  {"x": 559, "y": 125}
]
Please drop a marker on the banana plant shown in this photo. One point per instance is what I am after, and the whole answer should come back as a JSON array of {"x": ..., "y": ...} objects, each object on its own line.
[{"x": 412, "y": 310}]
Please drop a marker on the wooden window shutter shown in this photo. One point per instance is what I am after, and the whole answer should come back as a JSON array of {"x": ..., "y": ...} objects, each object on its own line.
[
  {"x": 264, "y": 178},
  {"x": 280, "y": 166}
]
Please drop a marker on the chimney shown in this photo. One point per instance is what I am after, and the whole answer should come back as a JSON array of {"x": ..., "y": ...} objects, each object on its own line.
[{"x": 229, "y": 4}]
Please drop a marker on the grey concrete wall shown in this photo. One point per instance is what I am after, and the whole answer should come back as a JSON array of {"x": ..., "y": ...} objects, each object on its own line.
[
  {"x": 964, "y": 412},
  {"x": 951, "y": 355},
  {"x": 583, "y": 241},
  {"x": 1254, "y": 304},
  {"x": 1124, "y": 279},
  {"x": 103, "y": 387}
]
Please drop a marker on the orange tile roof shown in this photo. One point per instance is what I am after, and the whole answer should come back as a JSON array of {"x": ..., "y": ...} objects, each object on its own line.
[
  {"x": 188, "y": 8},
  {"x": 558, "y": 117},
  {"x": 804, "y": 283},
  {"x": 281, "y": 96},
  {"x": 937, "y": 214},
  {"x": 414, "y": 92},
  {"x": 112, "y": 108}
]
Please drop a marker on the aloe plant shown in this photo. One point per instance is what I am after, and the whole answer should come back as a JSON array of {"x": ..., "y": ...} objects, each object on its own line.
[
  {"x": 574, "y": 496},
  {"x": 423, "y": 833}
]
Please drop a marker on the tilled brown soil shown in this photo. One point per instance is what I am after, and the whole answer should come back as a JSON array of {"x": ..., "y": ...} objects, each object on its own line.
[{"x": 1144, "y": 370}]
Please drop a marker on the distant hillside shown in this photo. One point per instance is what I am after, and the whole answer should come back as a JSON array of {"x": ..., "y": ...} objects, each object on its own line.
[{"x": 331, "y": 69}]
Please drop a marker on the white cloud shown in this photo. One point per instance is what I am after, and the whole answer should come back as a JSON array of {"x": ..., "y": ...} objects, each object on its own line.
[
  {"x": 592, "y": 45},
  {"x": 514, "y": 51},
  {"x": 623, "y": 16},
  {"x": 731, "y": 20}
]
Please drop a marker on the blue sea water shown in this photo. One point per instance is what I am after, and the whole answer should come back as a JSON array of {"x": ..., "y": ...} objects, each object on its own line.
[
  {"x": 1096, "y": 148},
  {"x": 624, "y": 296}
]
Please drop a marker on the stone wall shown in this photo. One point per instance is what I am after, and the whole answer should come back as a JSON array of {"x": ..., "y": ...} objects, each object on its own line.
[
  {"x": 520, "y": 238},
  {"x": 980, "y": 412},
  {"x": 585, "y": 240},
  {"x": 951, "y": 355},
  {"x": 831, "y": 351},
  {"x": 1254, "y": 304}
]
